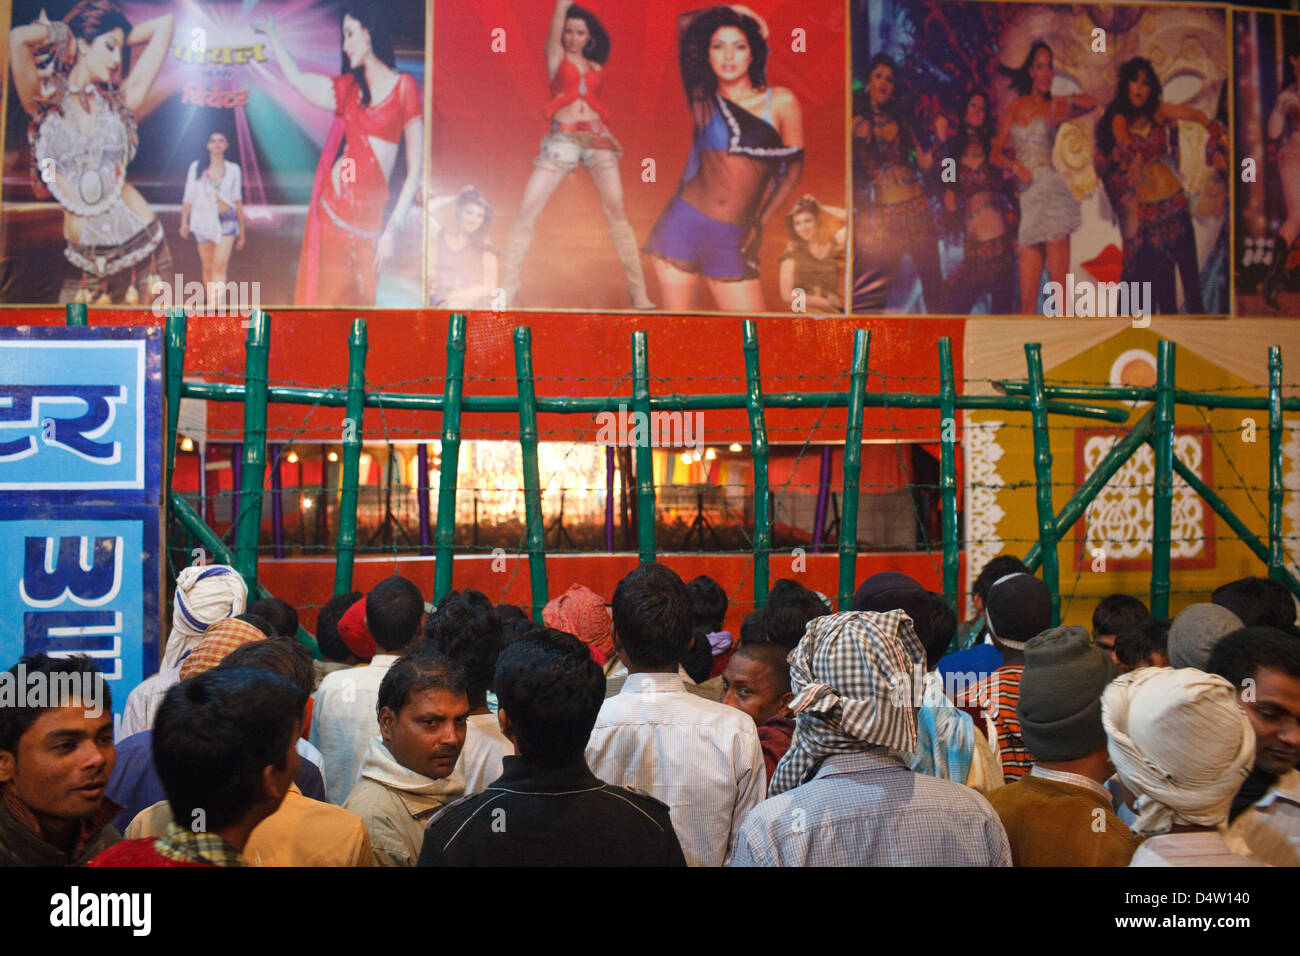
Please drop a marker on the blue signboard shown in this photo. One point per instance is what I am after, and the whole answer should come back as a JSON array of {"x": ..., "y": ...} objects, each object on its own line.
[{"x": 81, "y": 427}]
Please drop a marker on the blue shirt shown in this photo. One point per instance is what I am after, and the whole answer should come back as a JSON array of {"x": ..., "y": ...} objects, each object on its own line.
[
  {"x": 869, "y": 809},
  {"x": 982, "y": 659},
  {"x": 136, "y": 786}
]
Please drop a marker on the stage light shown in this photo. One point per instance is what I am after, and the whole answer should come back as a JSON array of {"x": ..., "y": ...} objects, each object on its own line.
[
  {"x": 187, "y": 444},
  {"x": 734, "y": 446},
  {"x": 307, "y": 502},
  {"x": 686, "y": 458},
  {"x": 333, "y": 456},
  {"x": 292, "y": 458},
  {"x": 710, "y": 454}
]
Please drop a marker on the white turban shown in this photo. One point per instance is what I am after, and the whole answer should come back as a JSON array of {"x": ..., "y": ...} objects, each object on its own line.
[
  {"x": 204, "y": 595},
  {"x": 1180, "y": 743}
]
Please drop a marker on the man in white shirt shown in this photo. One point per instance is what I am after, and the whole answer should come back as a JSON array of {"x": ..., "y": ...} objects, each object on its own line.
[
  {"x": 701, "y": 758},
  {"x": 343, "y": 717},
  {"x": 467, "y": 629}
]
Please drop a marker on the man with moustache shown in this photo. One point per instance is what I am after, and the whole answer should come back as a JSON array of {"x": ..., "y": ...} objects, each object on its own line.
[
  {"x": 1263, "y": 663},
  {"x": 409, "y": 770},
  {"x": 56, "y": 755}
]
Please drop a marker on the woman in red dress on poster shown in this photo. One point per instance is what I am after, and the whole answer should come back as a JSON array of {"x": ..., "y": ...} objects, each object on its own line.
[{"x": 378, "y": 111}]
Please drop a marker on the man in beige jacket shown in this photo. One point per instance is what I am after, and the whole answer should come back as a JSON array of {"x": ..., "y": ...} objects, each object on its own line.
[{"x": 409, "y": 770}]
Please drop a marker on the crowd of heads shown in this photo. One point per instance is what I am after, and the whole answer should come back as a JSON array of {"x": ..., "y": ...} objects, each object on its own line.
[{"x": 1182, "y": 711}]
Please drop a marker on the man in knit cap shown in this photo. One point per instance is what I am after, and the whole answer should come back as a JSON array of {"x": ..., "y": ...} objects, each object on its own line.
[
  {"x": 1196, "y": 630},
  {"x": 843, "y": 794},
  {"x": 1182, "y": 748},
  {"x": 1059, "y": 814},
  {"x": 204, "y": 595},
  {"x": 1018, "y": 607}
]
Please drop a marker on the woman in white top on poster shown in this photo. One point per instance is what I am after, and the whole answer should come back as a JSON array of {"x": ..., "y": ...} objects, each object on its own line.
[{"x": 213, "y": 210}]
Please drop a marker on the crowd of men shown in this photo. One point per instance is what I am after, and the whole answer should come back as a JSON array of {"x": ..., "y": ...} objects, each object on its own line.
[{"x": 642, "y": 733}]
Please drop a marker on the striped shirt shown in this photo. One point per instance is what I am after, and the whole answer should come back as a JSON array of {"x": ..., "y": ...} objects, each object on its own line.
[{"x": 998, "y": 696}]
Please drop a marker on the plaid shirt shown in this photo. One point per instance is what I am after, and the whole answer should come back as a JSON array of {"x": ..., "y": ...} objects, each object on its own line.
[
  {"x": 868, "y": 809},
  {"x": 178, "y": 843}
]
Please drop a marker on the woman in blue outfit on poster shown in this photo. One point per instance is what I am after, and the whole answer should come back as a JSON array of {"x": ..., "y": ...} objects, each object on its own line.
[{"x": 746, "y": 159}]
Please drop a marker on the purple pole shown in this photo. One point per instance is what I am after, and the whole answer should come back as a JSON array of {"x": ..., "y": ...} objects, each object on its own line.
[
  {"x": 823, "y": 491},
  {"x": 609, "y": 497},
  {"x": 422, "y": 494},
  {"x": 277, "y": 508},
  {"x": 237, "y": 469}
]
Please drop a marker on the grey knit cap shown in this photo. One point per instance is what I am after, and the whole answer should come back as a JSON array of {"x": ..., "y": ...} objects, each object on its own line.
[
  {"x": 1195, "y": 632},
  {"x": 1060, "y": 694}
]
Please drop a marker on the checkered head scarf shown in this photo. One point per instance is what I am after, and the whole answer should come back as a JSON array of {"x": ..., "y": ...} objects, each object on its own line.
[
  {"x": 218, "y": 641},
  {"x": 844, "y": 674}
]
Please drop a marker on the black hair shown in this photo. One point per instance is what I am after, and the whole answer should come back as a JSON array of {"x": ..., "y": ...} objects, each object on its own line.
[
  {"x": 943, "y": 627},
  {"x": 470, "y": 196},
  {"x": 424, "y": 668},
  {"x": 597, "y": 48},
  {"x": 790, "y": 606},
  {"x": 1291, "y": 49},
  {"x": 983, "y": 135},
  {"x": 1240, "y": 654},
  {"x": 698, "y": 77},
  {"x": 284, "y": 655},
  {"x": 381, "y": 42},
  {"x": 552, "y": 691},
  {"x": 215, "y": 734},
  {"x": 998, "y": 567},
  {"x": 1021, "y": 80},
  {"x": 708, "y": 601},
  {"x": 393, "y": 611},
  {"x": 510, "y": 612},
  {"x": 283, "y": 618},
  {"x": 91, "y": 19},
  {"x": 467, "y": 629},
  {"x": 1121, "y": 105},
  {"x": 1117, "y": 613},
  {"x": 891, "y": 105},
  {"x": 1141, "y": 641},
  {"x": 652, "y": 616},
  {"x": 751, "y": 628},
  {"x": 63, "y": 676},
  {"x": 215, "y": 120},
  {"x": 698, "y": 659},
  {"x": 517, "y": 628},
  {"x": 258, "y": 621},
  {"x": 774, "y": 656},
  {"x": 328, "y": 640},
  {"x": 1257, "y": 601}
]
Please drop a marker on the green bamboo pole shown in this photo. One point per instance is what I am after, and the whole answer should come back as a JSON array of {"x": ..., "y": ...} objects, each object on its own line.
[
  {"x": 758, "y": 440},
  {"x": 176, "y": 327},
  {"x": 195, "y": 525},
  {"x": 257, "y": 348},
  {"x": 1140, "y": 394},
  {"x": 1043, "y": 477},
  {"x": 445, "y": 533},
  {"x": 1106, "y": 469},
  {"x": 337, "y": 398},
  {"x": 1162, "y": 498},
  {"x": 1276, "y": 556},
  {"x": 948, "y": 469},
  {"x": 1221, "y": 507},
  {"x": 346, "y": 541},
  {"x": 848, "y": 544},
  {"x": 645, "y": 472},
  {"x": 75, "y": 314},
  {"x": 535, "y": 534}
]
